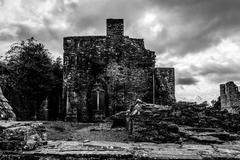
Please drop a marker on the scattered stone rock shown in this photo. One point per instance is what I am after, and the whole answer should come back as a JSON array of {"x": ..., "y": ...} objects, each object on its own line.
[
  {"x": 86, "y": 141},
  {"x": 22, "y": 135},
  {"x": 207, "y": 139}
]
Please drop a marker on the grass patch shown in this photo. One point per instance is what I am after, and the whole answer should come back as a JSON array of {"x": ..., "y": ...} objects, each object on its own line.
[
  {"x": 69, "y": 131},
  {"x": 58, "y": 130}
]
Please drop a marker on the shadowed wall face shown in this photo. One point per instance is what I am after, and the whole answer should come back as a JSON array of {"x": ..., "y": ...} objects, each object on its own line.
[{"x": 165, "y": 86}]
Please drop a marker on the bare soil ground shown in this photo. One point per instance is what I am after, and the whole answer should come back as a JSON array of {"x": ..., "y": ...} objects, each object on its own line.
[{"x": 69, "y": 131}]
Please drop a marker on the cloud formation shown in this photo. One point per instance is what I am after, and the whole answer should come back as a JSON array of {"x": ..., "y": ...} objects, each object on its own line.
[
  {"x": 180, "y": 27},
  {"x": 197, "y": 25},
  {"x": 197, "y": 37}
]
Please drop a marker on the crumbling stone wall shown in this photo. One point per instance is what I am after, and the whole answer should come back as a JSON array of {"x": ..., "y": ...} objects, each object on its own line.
[
  {"x": 86, "y": 60},
  {"x": 161, "y": 124},
  {"x": 230, "y": 97}
]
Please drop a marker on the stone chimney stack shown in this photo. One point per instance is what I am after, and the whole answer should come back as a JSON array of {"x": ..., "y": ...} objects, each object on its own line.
[{"x": 115, "y": 27}]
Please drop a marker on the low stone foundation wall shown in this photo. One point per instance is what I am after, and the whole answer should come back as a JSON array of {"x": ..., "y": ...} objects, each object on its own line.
[
  {"x": 146, "y": 130},
  {"x": 161, "y": 124},
  {"x": 73, "y": 150},
  {"x": 66, "y": 157}
]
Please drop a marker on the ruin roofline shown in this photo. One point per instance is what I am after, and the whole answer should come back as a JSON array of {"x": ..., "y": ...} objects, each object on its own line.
[
  {"x": 109, "y": 30},
  {"x": 227, "y": 83},
  {"x": 167, "y": 68},
  {"x": 83, "y": 37},
  {"x": 98, "y": 36}
]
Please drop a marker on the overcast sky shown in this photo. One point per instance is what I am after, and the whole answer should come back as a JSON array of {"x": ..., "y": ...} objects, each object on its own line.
[{"x": 200, "y": 38}]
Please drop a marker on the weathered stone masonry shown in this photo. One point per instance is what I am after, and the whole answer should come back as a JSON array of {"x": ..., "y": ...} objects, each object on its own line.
[
  {"x": 230, "y": 97},
  {"x": 87, "y": 94}
]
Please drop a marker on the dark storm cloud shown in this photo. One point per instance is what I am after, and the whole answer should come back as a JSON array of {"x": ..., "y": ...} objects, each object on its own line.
[
  {"x": 190, "y": 25},
  {"x": 219, "y": 73},
  {"x": 80, "y": 17},
  {"x": 49, "y": 37},
  {"x": 187, "y": 81},
  {"x": 85, "y": 15},
  {"x": 219, "y": 69},
  {"x": 206, "y": 21}
]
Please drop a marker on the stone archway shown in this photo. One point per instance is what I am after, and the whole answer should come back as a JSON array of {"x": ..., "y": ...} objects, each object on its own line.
[{"x": 97, "y": 101}]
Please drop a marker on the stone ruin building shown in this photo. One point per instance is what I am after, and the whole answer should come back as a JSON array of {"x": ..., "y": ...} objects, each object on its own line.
[
  {"x": 90, "y": 94},
  {"x": 230, "y": 97}
]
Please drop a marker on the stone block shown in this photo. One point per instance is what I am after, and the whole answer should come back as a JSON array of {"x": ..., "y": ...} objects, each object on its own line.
[{"x": 22, "y": 135}]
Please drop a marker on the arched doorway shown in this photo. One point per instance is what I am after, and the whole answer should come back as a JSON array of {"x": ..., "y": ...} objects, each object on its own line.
[{"x": 97, "y": 102}]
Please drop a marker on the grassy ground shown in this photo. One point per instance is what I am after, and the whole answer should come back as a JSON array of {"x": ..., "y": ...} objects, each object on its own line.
[{"x": 58, "y": 130}]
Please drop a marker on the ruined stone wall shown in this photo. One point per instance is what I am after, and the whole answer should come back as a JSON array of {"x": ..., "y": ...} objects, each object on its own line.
[
  {"x": 165, "y": 86},
  {"x": 86, "y": 59},
  {"x": 161, "y": 124},
  {"x": 85, "y": 62},
  {"x": 230, "y": 97}
]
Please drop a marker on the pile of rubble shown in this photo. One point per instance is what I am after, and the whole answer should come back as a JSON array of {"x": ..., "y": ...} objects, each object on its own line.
[
  {"x": 21, "y": 135},
  {"x": 6, "y": 111},
  {"x": 181, "y": 122},
  {"x": 202, "y": 116}
]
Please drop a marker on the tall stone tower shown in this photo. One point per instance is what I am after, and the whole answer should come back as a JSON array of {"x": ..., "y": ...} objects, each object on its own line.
[{"x": 115, "y": 27}]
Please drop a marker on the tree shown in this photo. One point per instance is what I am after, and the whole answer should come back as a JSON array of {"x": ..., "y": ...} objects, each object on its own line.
[
  {"x": 30, "y": 70},
  {"x": 217, "y": 103},
  {"x": 3, "y": 73},
  {"x": 55, "y": 95}
]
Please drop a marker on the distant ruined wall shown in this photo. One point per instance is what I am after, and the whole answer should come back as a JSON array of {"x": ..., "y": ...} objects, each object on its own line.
[{"x": 230, "y": 97}]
